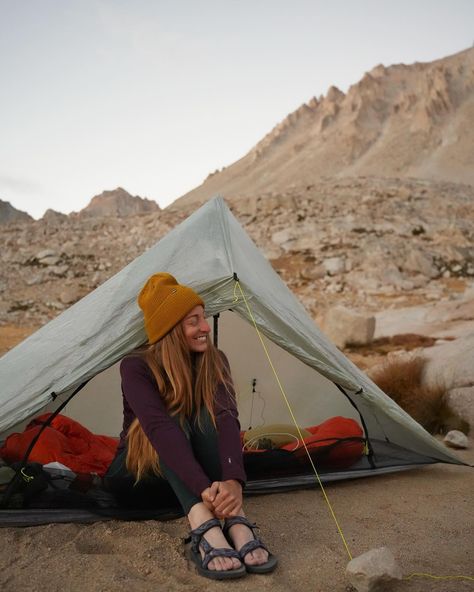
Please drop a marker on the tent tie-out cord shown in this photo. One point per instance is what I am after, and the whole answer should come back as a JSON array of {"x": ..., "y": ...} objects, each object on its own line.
[
  {"x": 433, "y": 577},
  {"x": 282, "y": 390}
]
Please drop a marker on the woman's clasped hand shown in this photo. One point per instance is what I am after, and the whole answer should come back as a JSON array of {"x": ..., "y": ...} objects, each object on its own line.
[{"x": 223, "y": 498}]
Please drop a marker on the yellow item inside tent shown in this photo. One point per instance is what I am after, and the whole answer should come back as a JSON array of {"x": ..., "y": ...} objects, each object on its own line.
[{"x": 273, "y": 436}]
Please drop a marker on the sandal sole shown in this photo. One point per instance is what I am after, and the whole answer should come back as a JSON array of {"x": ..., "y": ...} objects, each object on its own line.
[{"x": 263, "y": 568}]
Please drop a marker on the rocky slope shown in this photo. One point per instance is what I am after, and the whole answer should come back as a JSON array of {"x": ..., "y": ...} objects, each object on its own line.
[
  {"x": 367, "y": 243},
  {"x": 401, "y": 121},
  {"x": 329, "y": 196},
  {"x": 10, "y": 214}
]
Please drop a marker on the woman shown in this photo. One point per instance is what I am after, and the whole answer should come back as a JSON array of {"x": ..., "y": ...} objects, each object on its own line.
[{"x": 181, "y": 432}]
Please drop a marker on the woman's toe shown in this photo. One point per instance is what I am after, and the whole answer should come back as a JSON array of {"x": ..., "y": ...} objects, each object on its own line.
[
  {"x": 223, "y": 563},
  {"x": 212, "y": 565},
  {"x": 226, "y": 563},
  {"x": 258, "y": 556},
  {"x": 251, "y": 558},
  {"x": 216, "y": 564},
  {"x": 235, "y": 563}
]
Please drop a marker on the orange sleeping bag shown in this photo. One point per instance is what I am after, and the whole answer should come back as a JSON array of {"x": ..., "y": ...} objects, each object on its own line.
[
  {"x": 65, "y": 441},
  {"x": 337, "y": 442},
  {"x": 341, "y": 439}
]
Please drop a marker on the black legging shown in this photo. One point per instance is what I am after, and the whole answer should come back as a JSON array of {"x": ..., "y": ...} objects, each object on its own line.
[{"x": 154, "y": 491}]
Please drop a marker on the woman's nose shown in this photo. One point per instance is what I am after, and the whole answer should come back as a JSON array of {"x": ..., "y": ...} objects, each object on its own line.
[{"x": 204, "y": 327}]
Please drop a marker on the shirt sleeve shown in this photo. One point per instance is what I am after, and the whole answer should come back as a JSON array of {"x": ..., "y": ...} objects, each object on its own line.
[
  {"x": 228, "y": 430},
  {"x": 167, "y": 438}
]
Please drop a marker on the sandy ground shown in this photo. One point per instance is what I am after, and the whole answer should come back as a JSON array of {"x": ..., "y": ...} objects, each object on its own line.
[{"x": 425, "y": 516}]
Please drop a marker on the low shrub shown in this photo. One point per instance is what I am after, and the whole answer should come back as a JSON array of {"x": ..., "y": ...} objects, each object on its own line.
[{"x": 401, "y": 379}]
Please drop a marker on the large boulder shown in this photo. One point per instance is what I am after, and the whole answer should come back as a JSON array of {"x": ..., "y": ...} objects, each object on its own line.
[
  {"x": 347, "y": 327},
  {"x": 420, "y": 262},
  {"x": 456, "y": 439},
  {"x": 450, "y": 364},
  {"x": 374, "y": 571},
  {"x": 335, "y": 265},
  {"x": 454, "y": 318}
]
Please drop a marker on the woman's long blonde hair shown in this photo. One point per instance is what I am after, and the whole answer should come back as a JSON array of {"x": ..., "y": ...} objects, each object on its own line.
[{"x": 184, "y": 384}]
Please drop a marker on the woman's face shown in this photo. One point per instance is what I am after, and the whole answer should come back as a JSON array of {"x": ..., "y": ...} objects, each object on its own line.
[{"x": 196, "y": 329}]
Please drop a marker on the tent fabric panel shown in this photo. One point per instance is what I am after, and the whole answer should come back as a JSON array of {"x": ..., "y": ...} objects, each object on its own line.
[
  {"x": 281, "y": 318},
  {"x": 204, "y": 252},
  {"x": 105, "y": 325}
]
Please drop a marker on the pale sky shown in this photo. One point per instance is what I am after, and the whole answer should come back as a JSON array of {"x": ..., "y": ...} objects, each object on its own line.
[{"x": 153, "y": 95}]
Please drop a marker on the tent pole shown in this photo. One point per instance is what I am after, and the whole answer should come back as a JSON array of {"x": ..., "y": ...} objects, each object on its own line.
[
  {"x": 216, "y": 330},
  {"x": 19, "y": 475},
  {"x": 369, "y": 445}
]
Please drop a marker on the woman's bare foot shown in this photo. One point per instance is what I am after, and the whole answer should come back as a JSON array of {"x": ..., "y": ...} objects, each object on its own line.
[
  {"x": 240, "y": 535},
  {"x": 214, "y": 536}
]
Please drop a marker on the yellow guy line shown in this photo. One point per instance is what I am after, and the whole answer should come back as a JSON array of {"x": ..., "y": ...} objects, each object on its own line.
[
  {"x": 427, "y": 575},
  {"x": 237, "y": 285},
  {"x": 409, "y": 577}
]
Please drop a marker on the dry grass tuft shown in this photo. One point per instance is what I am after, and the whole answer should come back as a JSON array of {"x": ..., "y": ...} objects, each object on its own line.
[{"x": 401, "y": 380}]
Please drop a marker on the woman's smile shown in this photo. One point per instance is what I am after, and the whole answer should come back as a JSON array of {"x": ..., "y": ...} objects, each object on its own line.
[{"x": 196, "y": 329}]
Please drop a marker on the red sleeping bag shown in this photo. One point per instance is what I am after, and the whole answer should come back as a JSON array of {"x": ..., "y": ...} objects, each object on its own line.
[
  {"x": 65, "y": 441},
  {"x": 336, "y": 443}
]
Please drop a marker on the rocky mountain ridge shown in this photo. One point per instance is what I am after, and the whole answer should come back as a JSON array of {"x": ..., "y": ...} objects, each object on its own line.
[
  {"x": 397, "y": 122},
  {"x": 400, "y": 121},
  {"x": 368, "y": 243},
  {"x": 10, "y": 214},
  {"x": 117, "y": 202}
]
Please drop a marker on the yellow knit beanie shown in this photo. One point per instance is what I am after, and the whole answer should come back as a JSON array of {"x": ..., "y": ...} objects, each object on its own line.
[{"x": 164, "y": 303}]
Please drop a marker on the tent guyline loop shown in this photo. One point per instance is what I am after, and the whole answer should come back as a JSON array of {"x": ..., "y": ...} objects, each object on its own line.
[{"x": 238, "y": 287}]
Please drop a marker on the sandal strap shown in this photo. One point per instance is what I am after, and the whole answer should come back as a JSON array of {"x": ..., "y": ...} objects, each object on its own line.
[
  {"x": 256, "y": 543},
  {"x": 251, "y": 546},
  {"x": 197, "y": 533},
  {"x": 230, "y": 522},
  {"x": 210, "y": 552},
  {"x": 204, "y": 527}
]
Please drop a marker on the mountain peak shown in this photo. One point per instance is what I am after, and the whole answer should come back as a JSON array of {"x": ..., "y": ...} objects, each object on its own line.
[
  {"x": 398, "y": 121},
  {"x": 10, "y": 214},
  {"x": 118, "y": 202}
]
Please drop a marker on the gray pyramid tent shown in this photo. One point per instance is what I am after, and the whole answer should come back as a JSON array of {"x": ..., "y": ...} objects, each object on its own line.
[{"x": 211, "y": 252}]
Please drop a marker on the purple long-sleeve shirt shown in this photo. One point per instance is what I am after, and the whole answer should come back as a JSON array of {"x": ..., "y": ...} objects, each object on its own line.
[{"x": 142, "y": 400}]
